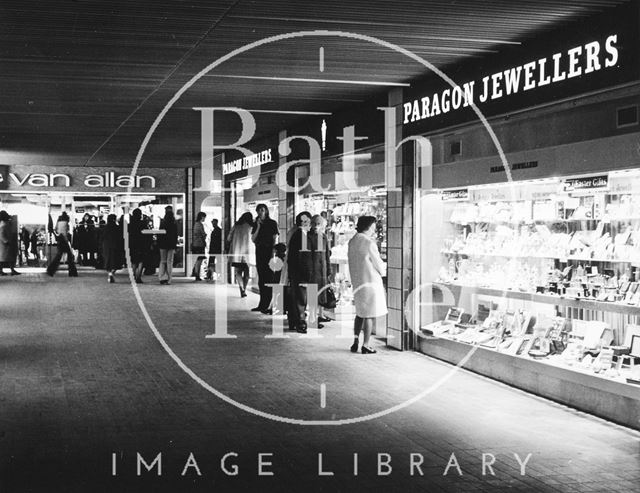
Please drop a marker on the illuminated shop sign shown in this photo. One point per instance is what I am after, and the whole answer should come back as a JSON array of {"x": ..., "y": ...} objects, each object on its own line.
[
  {"x": 452, "y": 195},
  {"x": 247, "y": 162},
  {"x": 585, "y": 59},
  {"x": 108, "y": 179},
  {"x": 41, "y": 178},
  {"x": 587, "y": 183}
]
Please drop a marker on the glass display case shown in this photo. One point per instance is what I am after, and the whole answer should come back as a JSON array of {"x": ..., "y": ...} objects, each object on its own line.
[
  {"x": 546, "y": 270},
  {"x": 342, "y": 210}
]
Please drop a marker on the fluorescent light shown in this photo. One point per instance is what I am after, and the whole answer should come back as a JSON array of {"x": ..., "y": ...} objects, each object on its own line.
[{"x": 326, "y": 81}]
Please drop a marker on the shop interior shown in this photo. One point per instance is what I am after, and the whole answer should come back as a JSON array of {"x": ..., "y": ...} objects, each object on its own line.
[
  {"x": 547, "y": 270},
  {"x": 34, "y": 212}
]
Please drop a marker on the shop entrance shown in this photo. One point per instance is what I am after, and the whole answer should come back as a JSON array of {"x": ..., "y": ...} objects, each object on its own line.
[{"x": 35, "y": 213}]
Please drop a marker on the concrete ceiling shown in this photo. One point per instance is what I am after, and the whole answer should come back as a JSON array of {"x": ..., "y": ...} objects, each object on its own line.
[{"x": 82, "y": 81}]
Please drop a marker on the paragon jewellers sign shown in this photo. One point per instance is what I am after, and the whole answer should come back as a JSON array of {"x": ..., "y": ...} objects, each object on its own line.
[
  {"x": 542, "y": 72},
  {"x": 559, "y": 65},
  {"x": 21, "y": 178},
  {"x": 247, "y": 162}
]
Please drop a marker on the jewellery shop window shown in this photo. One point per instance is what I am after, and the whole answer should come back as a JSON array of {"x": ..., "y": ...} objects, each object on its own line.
[
  {"x": 341, "y": 210},
  {"x": 547, "y": 270}
]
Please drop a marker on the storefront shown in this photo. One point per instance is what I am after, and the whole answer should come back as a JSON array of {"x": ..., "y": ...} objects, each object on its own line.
[
  {"x": 249, "y": 180},
  {"x": 530, "y": 274},
  {"x": 349, "y": 183},
  {"x": 37, "y": 195},
  {"x": 342, "y": 202}
]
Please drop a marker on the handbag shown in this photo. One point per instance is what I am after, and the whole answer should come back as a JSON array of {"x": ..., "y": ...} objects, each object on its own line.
[{"x": 330, "y": 300}]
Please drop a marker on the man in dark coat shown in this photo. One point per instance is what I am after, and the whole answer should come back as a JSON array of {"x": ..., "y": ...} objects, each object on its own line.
[{"x": 215, "y": 248}]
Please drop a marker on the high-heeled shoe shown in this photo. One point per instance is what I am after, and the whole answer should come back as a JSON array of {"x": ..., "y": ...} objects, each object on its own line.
[
  {"x": 354, "y": 347},
  {"x": 368, "y": 350}
]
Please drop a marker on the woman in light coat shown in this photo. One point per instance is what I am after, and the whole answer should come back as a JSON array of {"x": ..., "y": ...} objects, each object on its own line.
[
  {"x": 367, "y": 269},
  {"x": 241, "y": 250}
]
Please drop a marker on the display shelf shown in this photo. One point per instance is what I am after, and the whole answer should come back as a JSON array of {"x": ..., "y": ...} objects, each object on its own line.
[
  {"x": 586, "y": 304},
  {"x": 533, "y": 221},
  {"x": 605, "y": 397},
  {"x": 554, "y": 361},
  {"x": 562, "y": 259}
]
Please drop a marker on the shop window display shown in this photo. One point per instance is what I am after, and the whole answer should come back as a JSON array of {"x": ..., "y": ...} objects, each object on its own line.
[
  {"x": 547, "y": 270},
  {"x": 342, "y": 211}
]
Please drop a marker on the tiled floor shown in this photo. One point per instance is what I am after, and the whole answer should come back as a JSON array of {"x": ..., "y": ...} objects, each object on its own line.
[{"x": 86, "y": 384}]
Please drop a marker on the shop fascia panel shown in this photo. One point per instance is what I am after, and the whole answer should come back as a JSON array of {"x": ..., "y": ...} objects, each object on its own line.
[{"x": 576, "y": 159}]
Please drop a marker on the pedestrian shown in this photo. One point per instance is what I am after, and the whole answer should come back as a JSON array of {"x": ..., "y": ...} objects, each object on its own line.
[
  {"x": 300, "y": 265},
  {"x": 367, "y": 269},
  {"x": 198, "y": 243},
  {"x": 111, "y": 252},
  {"x": 90, "y": 240},
  {"x": 33, "y": 244},
  {"x": 240, "y": 247},
  {"x": 62, "y": 234},
  {"x": 139, "y": 244},
  {"x": 319, "y": 227},
  {"x": 99, "y": 264},
  {"x": 167, "y": 243},
  {"x": 25, "y": 236},
  {"x": 265, "y": 236},
  {"x": 215, "y": 248},
  {"x": 6, "y": 253}
]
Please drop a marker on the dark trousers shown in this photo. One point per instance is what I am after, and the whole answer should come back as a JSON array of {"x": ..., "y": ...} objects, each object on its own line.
[
  {"x": 296, "y": 305},
  {"x": 197, "y": 266},
  {"x": 63, "y": 247},
  {"x": 265, "y": 276}
]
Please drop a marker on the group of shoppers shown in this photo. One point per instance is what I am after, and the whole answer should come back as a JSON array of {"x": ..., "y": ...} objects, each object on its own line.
[
  {"x": 249, "y": 239},
  {"x": 112, "y": 245},
  {"x": 199, "y": 245},
  {"x": 306, "y": 261}
]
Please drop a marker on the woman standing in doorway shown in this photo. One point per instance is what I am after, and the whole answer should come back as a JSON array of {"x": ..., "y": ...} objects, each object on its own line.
[
  {"x": 367, "y": 269},
  {"x": 167, "y": 243},
  {"x": 240, "y": 250}
]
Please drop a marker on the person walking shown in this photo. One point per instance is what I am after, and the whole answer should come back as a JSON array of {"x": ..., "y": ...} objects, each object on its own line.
[
  {"x": 215, "y": 248},
  {"x": 167, "y": 243},
  {"x": 198, "y": 244},
  {"x": 367, "y": 269},
  {"x": 265, "y": 236},
  {"x": 139, "y": 244},
  {"x": 62, "y": 235},
  {"x": 111, "y": 251},
  {"x": 240, "y": 247}
]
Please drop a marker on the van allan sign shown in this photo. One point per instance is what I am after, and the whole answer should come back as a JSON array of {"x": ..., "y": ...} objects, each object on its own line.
[
  {"x": 109, "y": 179},
  {"x": 25, "y": 178}
]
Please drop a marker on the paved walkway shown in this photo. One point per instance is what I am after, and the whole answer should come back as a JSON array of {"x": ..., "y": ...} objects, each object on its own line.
[{"x": 86, "y": 386}]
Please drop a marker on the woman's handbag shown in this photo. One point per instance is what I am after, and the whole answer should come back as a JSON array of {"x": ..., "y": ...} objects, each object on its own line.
[{"x": 330, "y": 300}]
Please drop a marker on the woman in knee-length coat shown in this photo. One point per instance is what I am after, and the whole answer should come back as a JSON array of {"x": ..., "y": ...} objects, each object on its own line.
[{"x": 366, "y": 269}]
